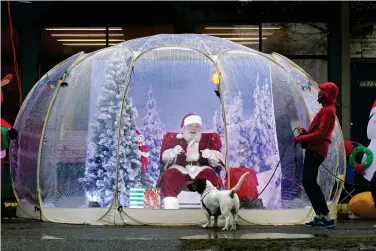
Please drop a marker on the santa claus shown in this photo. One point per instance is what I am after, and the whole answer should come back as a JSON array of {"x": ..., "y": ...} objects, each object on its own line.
[{"x": 187, "y": 156}]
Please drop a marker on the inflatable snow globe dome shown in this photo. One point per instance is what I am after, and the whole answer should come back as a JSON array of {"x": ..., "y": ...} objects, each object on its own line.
[{"x": 132, "y": 124}]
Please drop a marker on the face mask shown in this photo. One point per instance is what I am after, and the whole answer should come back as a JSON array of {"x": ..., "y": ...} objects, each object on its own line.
[{"x": 320, "y": 97}]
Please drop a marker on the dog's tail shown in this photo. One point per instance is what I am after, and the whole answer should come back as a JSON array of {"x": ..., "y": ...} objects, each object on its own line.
[{"x": 238, "y": 185}]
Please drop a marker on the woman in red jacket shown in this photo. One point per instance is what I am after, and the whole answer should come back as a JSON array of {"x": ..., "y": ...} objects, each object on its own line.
[{"x": 316, "y": 142}]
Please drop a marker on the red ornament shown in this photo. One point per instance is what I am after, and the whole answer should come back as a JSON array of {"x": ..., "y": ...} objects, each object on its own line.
[{"x": 358, "y": 168}]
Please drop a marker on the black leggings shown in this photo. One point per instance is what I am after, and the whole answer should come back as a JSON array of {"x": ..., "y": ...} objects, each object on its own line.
[{"x": 312, "y": 162}]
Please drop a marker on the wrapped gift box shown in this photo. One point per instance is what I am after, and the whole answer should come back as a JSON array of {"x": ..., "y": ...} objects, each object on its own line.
[
  {"x": 136, "y": 197},
  {"x": 152, "y": 198}
]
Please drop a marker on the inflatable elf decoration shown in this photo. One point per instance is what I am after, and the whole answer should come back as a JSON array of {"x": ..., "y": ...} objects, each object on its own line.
[
  {"x": 7, "y": 131},
  {"x": 363, "y": 204},
  {"x": 368, "y": 166},
  {"x": 143, "y": 151}
]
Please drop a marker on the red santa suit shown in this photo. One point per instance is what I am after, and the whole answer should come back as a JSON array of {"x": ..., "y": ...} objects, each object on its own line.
[{"x": 185, "y": 161}]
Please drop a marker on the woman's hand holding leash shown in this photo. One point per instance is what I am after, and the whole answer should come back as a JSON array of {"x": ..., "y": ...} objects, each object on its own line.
[{"x": 300, "y": 130}]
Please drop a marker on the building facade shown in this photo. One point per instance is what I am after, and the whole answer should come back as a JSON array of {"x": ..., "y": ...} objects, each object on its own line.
[{"x": 332, "y": 41}]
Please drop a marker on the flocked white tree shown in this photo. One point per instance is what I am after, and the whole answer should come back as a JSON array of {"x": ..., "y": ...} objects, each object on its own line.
[
  {"x": 236, "y": 125},
  {"x": 153, "y": 130},
  {"x": 251, "y": 141},
  {"x": 130, "y": 156},
  {"x": 264, "y": 153},
  {"x": 218, "y": 124},
  {"x": 100, "y": 172}
]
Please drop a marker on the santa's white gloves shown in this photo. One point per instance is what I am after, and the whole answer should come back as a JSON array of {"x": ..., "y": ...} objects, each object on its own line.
[
  {"x": 175, "y": 151},
  {"x": 209, "y": 154}
]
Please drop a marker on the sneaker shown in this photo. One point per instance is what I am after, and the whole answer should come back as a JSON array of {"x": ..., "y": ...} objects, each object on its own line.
[
  {"x": 324, "y": 223},
  {"x": 315, "y": 220}
]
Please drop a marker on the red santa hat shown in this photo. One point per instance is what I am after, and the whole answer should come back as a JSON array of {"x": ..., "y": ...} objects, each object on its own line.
[
  {"x": 373, "y": 110},
  {"x": 191, "y": 119}
]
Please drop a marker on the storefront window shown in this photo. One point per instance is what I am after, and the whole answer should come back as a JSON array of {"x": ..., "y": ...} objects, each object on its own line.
[
  {"x": 137, "y": 31},
  {"x": 59, "y": 43},
  {"x": 316, "y": 68},
  {"x": 75, "y": 39},
  {"x": 247, "y": 35},
  {"x": 295, "y": 38}
]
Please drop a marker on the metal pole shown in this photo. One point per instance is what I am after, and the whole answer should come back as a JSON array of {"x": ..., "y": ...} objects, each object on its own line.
[
  {"x": 107, "y": 36},
  {"x": 260, "y": 37}
]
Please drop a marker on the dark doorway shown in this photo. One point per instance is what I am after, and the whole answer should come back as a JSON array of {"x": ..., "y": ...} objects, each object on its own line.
[{"x": 363, "y": 95}]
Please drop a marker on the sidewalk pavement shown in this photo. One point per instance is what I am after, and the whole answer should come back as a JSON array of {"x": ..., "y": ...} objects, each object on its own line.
[{"x": 19, "y": 234}]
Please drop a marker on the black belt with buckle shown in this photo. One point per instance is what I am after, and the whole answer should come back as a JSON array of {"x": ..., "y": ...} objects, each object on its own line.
[{"x": 192, "y": 163}]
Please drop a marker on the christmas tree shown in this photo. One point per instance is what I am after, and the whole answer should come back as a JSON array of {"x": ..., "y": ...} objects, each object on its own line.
[
  {"x": 264, "y": 154},
  {"x": 100, "y": 172},
  {"x": 219, "y": 128},
  {"x": 153, "y": 130},
  {"x": 218, "y": 124},
  {"x": 236, "y": 122},
  {"x": 251, "y": 142},
  {"x": 236, "y": 128},
  {"x": 130, "y": 155}
]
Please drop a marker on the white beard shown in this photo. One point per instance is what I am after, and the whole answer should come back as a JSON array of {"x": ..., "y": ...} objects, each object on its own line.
[
  {"x": 193, "y": 140},
  {"x": 191, "y": 137}
]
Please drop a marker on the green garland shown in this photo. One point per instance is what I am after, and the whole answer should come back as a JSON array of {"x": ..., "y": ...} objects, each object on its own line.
[
  {"x": 361, "y": 149},
  {"x": 5, "y": 139}
]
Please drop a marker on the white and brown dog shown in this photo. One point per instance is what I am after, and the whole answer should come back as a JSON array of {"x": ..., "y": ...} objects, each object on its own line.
[{"x": 217, "y": 202}]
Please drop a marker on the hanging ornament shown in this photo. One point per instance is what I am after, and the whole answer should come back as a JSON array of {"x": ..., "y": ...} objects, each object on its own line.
[
  {"x": 54, "y": 83},
  {"x": 215, "y": 78},
  {"x": 51, "y": 85},
  {"x": 304, "y": 88},
  {"x": 63, "y": 84}
]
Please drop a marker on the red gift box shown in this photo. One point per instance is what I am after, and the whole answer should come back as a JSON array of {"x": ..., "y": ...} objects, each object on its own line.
[
  {"x": 152, "y": 198},
  {"x": 249, "y": 187}
]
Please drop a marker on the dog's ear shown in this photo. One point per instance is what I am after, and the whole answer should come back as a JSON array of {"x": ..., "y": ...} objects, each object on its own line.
[{"x": 201, "y": 185}]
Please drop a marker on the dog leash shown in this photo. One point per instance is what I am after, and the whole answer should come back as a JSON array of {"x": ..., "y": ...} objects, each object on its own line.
[
  {"x": 296, "y": 163},
  {"x": 203, "y": 204}
]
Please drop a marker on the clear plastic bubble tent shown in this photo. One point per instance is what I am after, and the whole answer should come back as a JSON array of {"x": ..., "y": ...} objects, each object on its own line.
[{"x": 79, "y": 157}]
